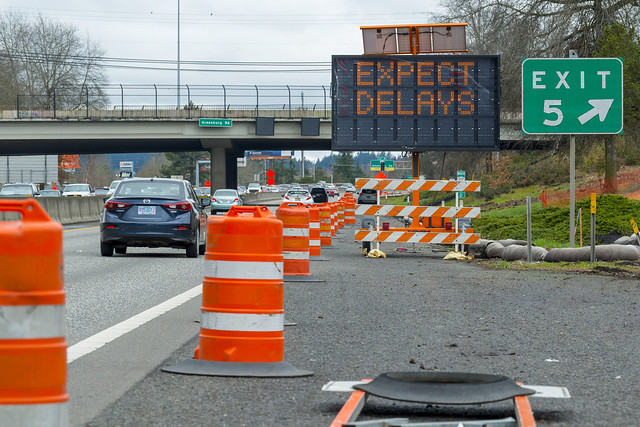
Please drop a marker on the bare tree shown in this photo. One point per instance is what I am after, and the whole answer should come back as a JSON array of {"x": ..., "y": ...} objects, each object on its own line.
[
  {"x": 541, "y": 28},
  {"x": 46, "y": 61}
]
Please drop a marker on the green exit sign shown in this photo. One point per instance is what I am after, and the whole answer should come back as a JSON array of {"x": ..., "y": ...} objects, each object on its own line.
[
  {"x": 572, "y": 95},
  {"x": 382, "y": 165},
  {"x": 216, "y": 123}
]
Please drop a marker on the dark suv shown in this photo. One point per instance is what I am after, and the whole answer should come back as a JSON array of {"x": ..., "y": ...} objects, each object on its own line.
[
  {"x": 367, "y": 196},
  {"x": 319, "y": 195}
]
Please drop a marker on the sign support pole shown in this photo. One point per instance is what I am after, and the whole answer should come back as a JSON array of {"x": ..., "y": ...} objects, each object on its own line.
[
  {"x": 415, "y": 195},
  {"x": 572, "y": 190},
  {"x": 529, "y": 234}
]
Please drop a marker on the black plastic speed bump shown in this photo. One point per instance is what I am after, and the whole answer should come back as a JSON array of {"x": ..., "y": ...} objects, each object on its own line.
[{"x": 445, "y": 388}]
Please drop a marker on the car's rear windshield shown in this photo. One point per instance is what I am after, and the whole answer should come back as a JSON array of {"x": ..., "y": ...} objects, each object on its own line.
[
  {"x": 225, "y": 193},
  {"x": 150, "y": 189},
  {"x": 11, "y": 190},
  {"x": 368, "y": 191},
  {"x": 77, "y": 187},
  {"x": 298, "y": 193}
]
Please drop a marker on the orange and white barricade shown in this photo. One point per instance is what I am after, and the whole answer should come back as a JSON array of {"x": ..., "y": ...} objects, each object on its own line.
[
  {"x": 416, "y": 237},
  {"x": 325, "y": 224},
  {"x": 429, "y": 224},
  {"x": 242, "y": 316},
  {"x": 33, "y": 349}
]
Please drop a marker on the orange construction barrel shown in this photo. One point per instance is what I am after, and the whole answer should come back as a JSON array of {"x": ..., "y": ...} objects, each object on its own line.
[
  {"x": 315, "y": 251},
  {"x": 350, "y": 210},
  {"x": 242, "y": 315},
  {"x": 340, "y": 219},
  {"x": 33, "y": 349},
  {"x": 325, "y": 224},
  {"x": 295, "y": 242},
  {"x": 334, "y": 218}
]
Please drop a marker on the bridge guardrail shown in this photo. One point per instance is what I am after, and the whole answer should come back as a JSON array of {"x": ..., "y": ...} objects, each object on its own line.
[{"x": 160, "y": 101}]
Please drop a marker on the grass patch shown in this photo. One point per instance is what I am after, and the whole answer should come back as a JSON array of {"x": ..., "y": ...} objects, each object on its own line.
[
  {"x": 614, "y": 268},
  {"x": 552, "y": 224}
]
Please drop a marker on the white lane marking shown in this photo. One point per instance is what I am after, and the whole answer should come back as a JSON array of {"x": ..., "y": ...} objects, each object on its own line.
[{"x": 98, "y": 340}]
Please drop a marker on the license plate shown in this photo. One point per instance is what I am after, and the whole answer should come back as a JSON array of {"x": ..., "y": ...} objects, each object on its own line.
[
  {"x": 146, "y": 210},
  {"x": 297, "y": 199}
]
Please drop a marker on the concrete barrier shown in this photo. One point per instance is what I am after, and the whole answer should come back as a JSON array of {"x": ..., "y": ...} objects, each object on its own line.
[
  {"x": 66, "y": 210},
  {"x": 257, "y": 198},
  {"x": 72, "y": 210}
]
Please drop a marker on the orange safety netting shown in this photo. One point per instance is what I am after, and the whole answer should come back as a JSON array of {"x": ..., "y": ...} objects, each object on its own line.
[{"x": 627, "y": 185}]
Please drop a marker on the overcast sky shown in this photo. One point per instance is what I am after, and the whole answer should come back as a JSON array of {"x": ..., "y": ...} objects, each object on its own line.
[{"x": 232, "y": 31}]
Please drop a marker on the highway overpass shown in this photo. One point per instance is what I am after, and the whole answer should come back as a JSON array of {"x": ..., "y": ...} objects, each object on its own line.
[{"x": 103, "y": 131}]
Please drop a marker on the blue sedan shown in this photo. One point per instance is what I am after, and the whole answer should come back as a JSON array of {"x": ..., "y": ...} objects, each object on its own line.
[{"x": 154, "y": 212}]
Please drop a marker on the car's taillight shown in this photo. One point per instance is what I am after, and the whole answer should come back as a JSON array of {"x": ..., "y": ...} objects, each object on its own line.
[
  {"x": 182, "y": 206},
  {"x": 235, "y": 200},
  {"x": 214, "y": 200},
  {"x": 116, "y": 205}
]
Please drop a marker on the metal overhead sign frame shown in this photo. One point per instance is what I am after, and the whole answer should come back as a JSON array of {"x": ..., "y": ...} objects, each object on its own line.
[{"x": 572, "y": 96}]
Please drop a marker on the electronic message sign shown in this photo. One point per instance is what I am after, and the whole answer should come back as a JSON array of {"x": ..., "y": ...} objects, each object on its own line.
[{"x": 416, "y": 102}]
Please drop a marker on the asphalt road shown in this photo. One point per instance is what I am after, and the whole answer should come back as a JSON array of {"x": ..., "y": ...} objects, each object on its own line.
[{"x": 409, "y": 312}]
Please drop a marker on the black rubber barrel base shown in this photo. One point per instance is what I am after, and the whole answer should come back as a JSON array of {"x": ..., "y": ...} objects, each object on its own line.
[{"x": 236, "y": 369}]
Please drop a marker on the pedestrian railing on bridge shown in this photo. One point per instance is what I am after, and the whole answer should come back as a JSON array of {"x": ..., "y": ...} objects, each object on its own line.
[{"x": 170, "y": 102}]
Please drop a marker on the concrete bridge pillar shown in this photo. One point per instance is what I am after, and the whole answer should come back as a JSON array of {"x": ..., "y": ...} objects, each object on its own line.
[{"x": 224, "y": 171}]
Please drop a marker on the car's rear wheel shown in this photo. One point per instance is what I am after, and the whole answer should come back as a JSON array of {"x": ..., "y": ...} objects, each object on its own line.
[
  {"x": 106, "y": 249},
  {"x": 203, "y": 247},
  {"x": 192, "y": 248},
  {"x": 121, "y": 250}
]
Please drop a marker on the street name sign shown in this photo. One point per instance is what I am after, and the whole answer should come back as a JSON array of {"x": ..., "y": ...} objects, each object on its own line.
[
  {"x": 572, "y": 96},
  {"x": 218, "y": 123}
]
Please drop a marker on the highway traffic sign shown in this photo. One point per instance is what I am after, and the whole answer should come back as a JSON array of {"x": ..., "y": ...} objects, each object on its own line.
[
  {"x": 572, "y": 96},
  {"x": 220, "y": 123}
]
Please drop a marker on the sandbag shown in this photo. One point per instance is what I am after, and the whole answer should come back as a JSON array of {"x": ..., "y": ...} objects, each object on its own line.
[
  {"x": 494, "y": 250},
  {"x": 603, "y": 253},
  {"x": 627, "y": 240},
  {"x": 479, "y": 247},
  {"x": 509, "y": 242},
  {"x": 517, "y": 252}
]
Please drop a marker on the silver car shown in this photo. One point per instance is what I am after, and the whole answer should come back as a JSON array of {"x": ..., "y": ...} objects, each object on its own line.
[{"x": 223, "y": 199}]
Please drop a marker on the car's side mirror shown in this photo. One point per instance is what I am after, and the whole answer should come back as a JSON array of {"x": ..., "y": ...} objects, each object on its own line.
[{"x": 206, "y": 202}]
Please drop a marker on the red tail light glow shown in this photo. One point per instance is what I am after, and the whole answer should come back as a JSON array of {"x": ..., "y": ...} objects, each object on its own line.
[
  {"x": 181, "y": 206},
  {"x": 116, "y": 205}
]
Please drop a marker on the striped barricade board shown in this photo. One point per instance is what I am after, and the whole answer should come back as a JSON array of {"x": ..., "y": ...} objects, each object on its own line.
[
  {"x": 415, "y": 237},
  {"x": 416, "y": 185},
  {"x": 420, "y": 211}
]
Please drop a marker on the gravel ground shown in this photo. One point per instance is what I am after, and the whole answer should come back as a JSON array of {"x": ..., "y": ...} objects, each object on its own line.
[{"x": 410, "y": 312}]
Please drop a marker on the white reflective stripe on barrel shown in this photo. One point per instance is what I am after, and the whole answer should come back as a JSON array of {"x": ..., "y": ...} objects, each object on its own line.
[
  {"x": 252, "y": 270},
  {"x": 250, "y": 322},
  {"x": 295, "y": 254},
  {"x": 295, "y": 232},
  {"x": 36, "y": 415},
  {"x": 32, "y": 321},
  {"x": 314, "y": 242},
  {"x": 314, "y": 225},
  {"x": 325, "y": 234}
]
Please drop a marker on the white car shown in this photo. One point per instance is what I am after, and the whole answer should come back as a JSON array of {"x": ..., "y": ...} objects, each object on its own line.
[
  {"x": 78, "y": 190},
  {"x": 113, "y": 186},
  {"x": 298, "y": 195},
  {"x": 253, "y": 188}
]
